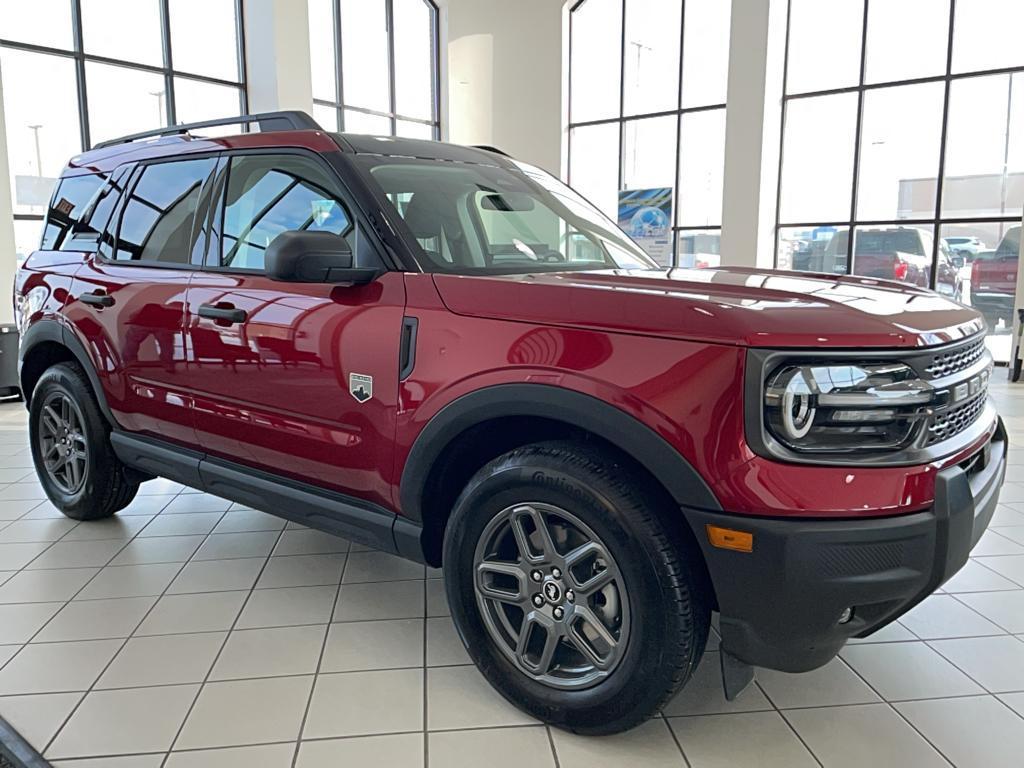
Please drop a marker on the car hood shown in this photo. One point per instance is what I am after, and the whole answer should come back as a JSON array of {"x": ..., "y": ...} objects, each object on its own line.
[{"x": 739, "y": 306}]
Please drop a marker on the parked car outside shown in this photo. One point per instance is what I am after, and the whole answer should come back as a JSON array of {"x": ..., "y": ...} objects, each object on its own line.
[
  {"x": 967, "y": 247},
  {"x": 447, "y": 354},
  {"x": 994, "y": 280},
  {"x": 895, "y": 253}
]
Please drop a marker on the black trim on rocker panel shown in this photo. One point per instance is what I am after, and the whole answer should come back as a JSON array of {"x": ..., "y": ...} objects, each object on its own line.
[
  {"x": 319, "y": 508},
  {"x": 636, "y": 439},
  {"x": 158, "y": 458}
]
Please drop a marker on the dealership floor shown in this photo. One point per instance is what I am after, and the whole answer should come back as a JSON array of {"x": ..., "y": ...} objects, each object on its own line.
[{"x": 190, "y": 632}]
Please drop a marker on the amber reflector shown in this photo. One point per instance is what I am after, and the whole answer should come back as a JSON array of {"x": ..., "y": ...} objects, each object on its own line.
[{"x": 727, "y": 538}]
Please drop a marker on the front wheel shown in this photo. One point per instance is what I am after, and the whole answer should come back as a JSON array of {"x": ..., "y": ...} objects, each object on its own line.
[
  {"x": 71, "y": 447},
  {"x": 573, "y": 596}
]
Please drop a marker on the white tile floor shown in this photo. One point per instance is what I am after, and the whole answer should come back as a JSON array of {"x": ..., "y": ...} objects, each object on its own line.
[{"x": 190, "y": 632}]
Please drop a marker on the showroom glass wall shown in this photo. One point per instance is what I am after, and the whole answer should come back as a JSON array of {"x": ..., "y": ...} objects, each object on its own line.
[
  {"x": 647, "y": 88},
  {"x": 72, "y": 78},
  {"x": 375, "y": 66},
  {"x": 903, "y": 132}
]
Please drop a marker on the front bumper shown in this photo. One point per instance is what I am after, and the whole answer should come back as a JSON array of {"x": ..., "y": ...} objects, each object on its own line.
[{"x": 781, "y": 603}]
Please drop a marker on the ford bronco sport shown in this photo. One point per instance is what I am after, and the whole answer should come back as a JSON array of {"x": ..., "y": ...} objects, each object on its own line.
[{"x": 449, "y": 355}]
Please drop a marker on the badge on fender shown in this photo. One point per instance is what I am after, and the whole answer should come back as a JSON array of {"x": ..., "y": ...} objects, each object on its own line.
[{"x": 360, "y": 386}]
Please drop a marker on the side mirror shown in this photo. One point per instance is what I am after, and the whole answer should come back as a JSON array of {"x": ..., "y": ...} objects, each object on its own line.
[{"x": 314, "y": 257}]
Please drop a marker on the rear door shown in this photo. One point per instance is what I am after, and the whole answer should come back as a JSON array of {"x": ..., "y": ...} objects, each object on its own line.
[
  {"x": 128, "y": 299},
  {"x": 276, "y": 367}
]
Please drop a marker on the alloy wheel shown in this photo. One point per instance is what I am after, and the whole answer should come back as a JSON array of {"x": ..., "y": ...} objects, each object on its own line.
[
  {"x": 551, "y": 595},
  {"x": 62, "y": 443}
]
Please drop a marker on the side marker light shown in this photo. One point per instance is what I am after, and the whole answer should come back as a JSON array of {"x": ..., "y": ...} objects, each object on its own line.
[{"x": 728, "y": 538}]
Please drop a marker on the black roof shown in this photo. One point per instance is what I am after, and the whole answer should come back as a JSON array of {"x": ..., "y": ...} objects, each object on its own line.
[{"x": 397, "y": 146}]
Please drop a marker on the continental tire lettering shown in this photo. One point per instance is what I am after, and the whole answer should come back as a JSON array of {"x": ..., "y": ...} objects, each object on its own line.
[{"x": 562, "y": 485}]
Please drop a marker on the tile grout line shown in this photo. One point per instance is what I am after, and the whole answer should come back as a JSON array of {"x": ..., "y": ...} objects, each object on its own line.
[
  {"x": 320, "y": 659},
  {"x": 792, "y": 728},
  {"x": 979, "y": 561},
  {"x": 551, "y": 743},
  {"x": 956, "y": 666},
  {"x": 675, "y": 739},
  {"x": 899, "y": 714},
  {"x": 974, "y": 610},
  {"x": 227, "y": 636},
  {"x": 121, "y": 648},
  {"x": 426, "y": 673},
  {"x": 316, "y": 739},
  {"x": 67, "y": 602},
  {"x": 913, "y": 699}
]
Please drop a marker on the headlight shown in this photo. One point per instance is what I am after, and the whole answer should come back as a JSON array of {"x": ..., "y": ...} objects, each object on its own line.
[{"x": 846, "y": 408}]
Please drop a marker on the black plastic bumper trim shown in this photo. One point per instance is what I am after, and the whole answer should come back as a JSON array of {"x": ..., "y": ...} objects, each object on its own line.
[{"x": 780, "y": 604}]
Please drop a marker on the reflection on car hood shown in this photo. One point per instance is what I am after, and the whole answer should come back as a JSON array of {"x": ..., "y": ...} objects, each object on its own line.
[{"x": 749, "y": 307}]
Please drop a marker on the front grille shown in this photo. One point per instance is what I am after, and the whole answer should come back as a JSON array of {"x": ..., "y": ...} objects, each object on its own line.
[
  {"x": 945, "y": 424},
  {"x": 955, "y": 360}
]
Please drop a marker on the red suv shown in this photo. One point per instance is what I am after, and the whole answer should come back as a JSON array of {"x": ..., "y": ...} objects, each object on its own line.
[{"x": 449, "y": 355}]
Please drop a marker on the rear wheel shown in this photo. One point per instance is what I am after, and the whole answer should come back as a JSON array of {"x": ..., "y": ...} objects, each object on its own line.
[
  {"x": 71, "y": 447},
  {"x": 574, "y": 598}
]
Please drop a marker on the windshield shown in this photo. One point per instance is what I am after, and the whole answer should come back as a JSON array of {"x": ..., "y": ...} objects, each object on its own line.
[{"x": 480, "y": 219}]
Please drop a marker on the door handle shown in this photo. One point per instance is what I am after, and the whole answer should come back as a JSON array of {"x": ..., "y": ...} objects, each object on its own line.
[
  {"x": 224, "y": 314},
  {"x": 98, "y": 298}
]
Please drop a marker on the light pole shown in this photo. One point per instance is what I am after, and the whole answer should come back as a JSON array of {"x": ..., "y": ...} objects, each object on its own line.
[
  {"x": 39, "y": 154},
  {"x": 159, "y": 105}
]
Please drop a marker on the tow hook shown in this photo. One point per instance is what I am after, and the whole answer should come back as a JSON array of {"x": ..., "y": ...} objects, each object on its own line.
[{"x": 736, "y": 674}]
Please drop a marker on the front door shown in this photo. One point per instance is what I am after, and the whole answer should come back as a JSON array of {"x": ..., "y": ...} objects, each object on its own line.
[
  {"x": 294, "y": 378},
  {"x": 128, "y": 299}
]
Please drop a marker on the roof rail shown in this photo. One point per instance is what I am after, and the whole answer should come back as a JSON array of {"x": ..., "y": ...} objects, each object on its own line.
[
  {"x": 286, "y": 120},
  {"x": 489, "y": 148}
]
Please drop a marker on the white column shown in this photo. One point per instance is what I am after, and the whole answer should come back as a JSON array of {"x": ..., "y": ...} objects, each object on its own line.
[
  {"x": 7, "y": 254},
  {"x": 502, "y": 67},
  {"x": 753, "y": 123},
  {"x": 277, "y": 55}
]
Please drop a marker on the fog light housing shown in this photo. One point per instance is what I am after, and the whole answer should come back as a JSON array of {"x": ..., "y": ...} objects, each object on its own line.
[{"x": 846, "y": 615}]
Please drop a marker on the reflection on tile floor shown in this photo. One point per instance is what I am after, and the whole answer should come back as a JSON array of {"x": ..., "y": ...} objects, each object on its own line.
[{"x": 189, "y": 632}]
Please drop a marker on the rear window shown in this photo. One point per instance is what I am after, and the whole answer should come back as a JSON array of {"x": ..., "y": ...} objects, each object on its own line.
[
  {"x": 156, "y": 224},
  {"x": 902, "y": 240},
  {"x": 1009, "y": 246},
  {"x": 70, "y": 201}
]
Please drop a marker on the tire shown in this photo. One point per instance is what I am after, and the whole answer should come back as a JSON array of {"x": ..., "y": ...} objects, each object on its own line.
[
  {"x": 655, "y": 605},
  {"x": 99, "y": 484}
]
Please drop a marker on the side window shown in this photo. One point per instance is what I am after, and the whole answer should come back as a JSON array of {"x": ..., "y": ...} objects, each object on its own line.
[
  {"x": 156, "y": 223},
  {"x": 70, "y": 200},
  {"x": 270, "y": 194}
]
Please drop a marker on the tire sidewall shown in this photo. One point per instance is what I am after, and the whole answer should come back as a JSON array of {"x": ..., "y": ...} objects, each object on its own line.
[
  {"x": 617, "y": 695},
  {"x": 59, "y": 379}
]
